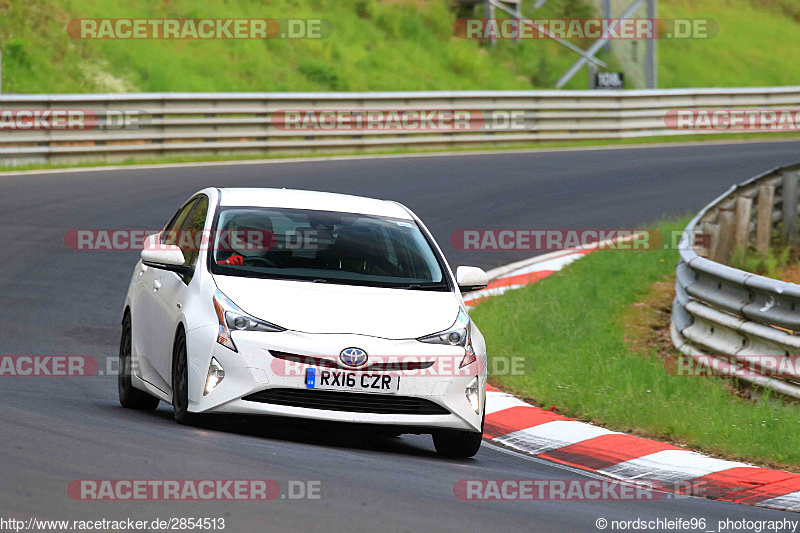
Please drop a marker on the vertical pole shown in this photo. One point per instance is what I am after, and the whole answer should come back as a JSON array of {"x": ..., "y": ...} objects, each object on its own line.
[
  {"x": 713, "y": 231},
  {"x": 488, "y": 13},
  {"x": 518, "y": 17},
  {"x": 789, "y": 197},
  {"x": 592, "y": 69},
  {"x": 725, "y": 242},
  {"x": 766, "y": 204},
  {"x": 741, "y": 222},
  {"x": 651, "y": 63},
  {"x": 607, "y": 15}
]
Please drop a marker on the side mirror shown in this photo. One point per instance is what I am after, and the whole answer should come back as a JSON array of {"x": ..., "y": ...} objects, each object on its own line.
[
  {"x": 471, "y": 278},
  {"x": 164, "y": 256}
]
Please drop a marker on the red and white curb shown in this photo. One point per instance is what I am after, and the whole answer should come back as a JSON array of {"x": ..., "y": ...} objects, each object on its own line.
[
  {"x": 523, "y": 273},
  {"x": 554, "y": 437},
  {"x": 547, "y": 435}
]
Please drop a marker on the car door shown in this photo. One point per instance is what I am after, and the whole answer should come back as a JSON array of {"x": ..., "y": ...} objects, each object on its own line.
[
  {"x": 147, "y": 321},
  {"x": 141, "y": 323},
  {"x": 173, "y": 287}
]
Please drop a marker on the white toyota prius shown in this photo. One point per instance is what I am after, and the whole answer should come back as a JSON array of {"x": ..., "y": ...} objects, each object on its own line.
[{"x": 305, "y": 304}]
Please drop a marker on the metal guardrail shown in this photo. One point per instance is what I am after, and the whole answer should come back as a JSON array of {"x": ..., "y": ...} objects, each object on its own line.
[
  {"x": 181, "y": 124},
  {"x": 742, "y": 320}
]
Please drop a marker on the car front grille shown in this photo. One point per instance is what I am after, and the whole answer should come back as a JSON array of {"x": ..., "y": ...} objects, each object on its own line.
[
  {"x": 352, "y": 402},
  {"x": 330, "y": 362}
]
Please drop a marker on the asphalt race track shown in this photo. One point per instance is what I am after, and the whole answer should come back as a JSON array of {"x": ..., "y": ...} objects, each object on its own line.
[{"x": 57, "y": 301}]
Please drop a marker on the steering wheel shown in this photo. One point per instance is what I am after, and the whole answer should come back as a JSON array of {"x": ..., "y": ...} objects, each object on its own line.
[{"x": 263, "y": 261}]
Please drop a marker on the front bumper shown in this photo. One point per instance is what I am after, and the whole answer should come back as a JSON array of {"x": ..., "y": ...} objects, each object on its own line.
[{"x": 253, "y": 369}]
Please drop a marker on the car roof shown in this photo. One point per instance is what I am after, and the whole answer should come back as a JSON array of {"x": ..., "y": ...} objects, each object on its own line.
[{"x": 314, "y": 200}]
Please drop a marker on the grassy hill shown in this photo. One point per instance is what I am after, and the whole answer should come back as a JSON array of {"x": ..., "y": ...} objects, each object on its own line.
[
  {"x": 374, "y": 45},
  {"x": 757, "y": 45}
]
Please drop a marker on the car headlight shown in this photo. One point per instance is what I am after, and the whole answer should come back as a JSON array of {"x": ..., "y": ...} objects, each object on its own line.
[
  {"x": 459, "y": 334},
  {"x": 231, "y": 318}
]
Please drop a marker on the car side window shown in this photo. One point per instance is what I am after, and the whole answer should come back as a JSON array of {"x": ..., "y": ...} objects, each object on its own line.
[
  {"x": 191, "y": 243},
  {"x": 170, "y": 233}
]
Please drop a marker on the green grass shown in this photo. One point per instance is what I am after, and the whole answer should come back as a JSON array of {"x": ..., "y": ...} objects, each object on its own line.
[
  {"x": 569, "y": 328},
  {"x": 757, "y": 42},
  {"x": 768, "y": 263},
  {"x": 780, "y": 259},
  {"x": 374, "y": 46}
]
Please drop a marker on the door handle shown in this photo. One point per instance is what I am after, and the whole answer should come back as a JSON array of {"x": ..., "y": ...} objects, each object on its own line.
[{"x": 156, "y": 285}]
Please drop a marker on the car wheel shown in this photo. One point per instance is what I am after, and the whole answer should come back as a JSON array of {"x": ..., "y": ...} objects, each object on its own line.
[
  {"x": 130, "y": 397},
  {"x": 458, "y": 444},
  {"x": 180, "y": 381}
]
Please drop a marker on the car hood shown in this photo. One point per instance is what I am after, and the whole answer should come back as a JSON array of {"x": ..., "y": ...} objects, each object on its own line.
[{"x": 330, "y": 308}]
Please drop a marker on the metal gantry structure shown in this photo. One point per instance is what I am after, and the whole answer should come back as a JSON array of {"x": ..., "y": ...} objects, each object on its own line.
[{"x": 587, "y": 57}]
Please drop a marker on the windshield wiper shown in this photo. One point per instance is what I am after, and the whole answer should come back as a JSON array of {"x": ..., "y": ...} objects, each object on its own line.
[{"x": 418, "y": 286}]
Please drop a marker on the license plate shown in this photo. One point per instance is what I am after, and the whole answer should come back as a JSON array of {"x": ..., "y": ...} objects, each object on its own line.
[{"x": 329, "y": 379}]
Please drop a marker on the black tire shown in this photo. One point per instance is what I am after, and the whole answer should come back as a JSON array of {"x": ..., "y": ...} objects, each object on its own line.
[
  {"x": 458, "y": 444},
  {"x": 130, "y": 397},
  {"x": 180, "y": 381}
]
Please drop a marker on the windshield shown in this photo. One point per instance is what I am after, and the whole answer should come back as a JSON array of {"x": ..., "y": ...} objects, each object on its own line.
[{"x": 324, "y": 247}]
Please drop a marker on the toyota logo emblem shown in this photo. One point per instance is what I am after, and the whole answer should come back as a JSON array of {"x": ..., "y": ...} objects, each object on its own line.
[{"x": 353, "y": 356}]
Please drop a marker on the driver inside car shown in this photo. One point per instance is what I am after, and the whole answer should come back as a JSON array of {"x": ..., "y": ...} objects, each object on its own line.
[{"x": 249, "y": 238}]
